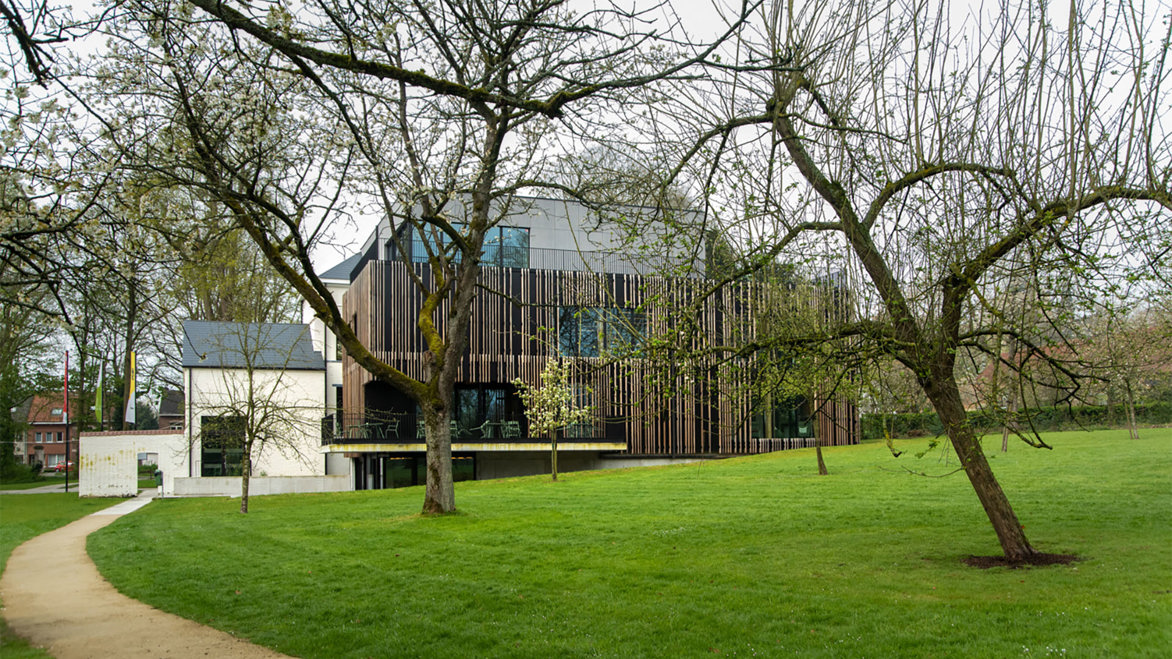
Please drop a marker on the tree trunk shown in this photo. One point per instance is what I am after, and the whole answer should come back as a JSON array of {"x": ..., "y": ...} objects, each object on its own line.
[
  {"x": 1011, "y": 403},
  {"x": 946, "y": 399},
  {"x": 245, "y": 473},
  {"x": 1011, "y": 411},
  {"x": 1132, "y": 429},
  {"x": 439, "y": 495},
  {"x": 818, "y": 445},
  {"x": 821, "y": 464},
  {"x": 1112, "y": 415},
  {"x": 553, "y": 456}
]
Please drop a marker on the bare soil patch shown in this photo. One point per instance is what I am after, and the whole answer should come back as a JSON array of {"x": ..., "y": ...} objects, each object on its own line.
[{"x": 1037, "y": 560}]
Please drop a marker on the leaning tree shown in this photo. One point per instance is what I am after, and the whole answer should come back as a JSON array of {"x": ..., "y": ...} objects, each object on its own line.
[{"x": 943, "y": 158}]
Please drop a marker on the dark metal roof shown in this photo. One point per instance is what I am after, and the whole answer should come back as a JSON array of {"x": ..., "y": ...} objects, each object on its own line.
[
  {"x": 341, "y": 271},
  {"x": 212, "y": 344}
]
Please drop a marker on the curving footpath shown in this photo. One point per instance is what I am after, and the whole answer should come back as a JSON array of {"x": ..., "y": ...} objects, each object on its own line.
[{"x": 54, "y": 596}]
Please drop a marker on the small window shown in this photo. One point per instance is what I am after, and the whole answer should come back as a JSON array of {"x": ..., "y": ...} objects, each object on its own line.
[
  {"x": 38, "y": 438},
  {"x": 56, "y": 411}
]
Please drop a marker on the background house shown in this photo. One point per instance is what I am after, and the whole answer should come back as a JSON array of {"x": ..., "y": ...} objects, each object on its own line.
[
  {"x": 171, "y": 414},
  {"x": 44, "y": 438},
  {"x": 235, "y": 374}
]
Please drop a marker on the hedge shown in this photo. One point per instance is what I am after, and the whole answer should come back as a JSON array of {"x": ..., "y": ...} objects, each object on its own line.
[{"x": 1045, "y": 419}]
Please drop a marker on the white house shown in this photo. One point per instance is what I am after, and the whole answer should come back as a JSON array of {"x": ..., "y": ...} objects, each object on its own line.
[{"x": 264, "y": 378}]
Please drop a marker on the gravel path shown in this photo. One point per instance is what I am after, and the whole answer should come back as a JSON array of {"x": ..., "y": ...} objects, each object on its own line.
[{"x": 54, "y": 597}]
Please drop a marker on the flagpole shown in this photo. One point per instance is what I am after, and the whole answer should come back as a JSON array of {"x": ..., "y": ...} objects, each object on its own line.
[{"x": 65, "y": 413}]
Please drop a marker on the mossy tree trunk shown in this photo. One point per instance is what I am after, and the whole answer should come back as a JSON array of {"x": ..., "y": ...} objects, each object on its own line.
[
  {"x": 945, "y": 397},
  {"x": 439, "y": 495}
]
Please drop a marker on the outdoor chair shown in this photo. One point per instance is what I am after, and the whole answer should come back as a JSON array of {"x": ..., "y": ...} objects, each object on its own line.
[
  {"x": 483, "y": 431},
  {"x": 511, "y": 430},
  {"x": 390, "y": 429}
]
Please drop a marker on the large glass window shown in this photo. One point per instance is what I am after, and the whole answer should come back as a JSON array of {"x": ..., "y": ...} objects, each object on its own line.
[
  {"x": 590, "y": 331},
  {"x": 482, "y": 412},
  {"x": 583, "y": 398},
  {"x": 783, "y": 419},
  {"x": 506, "y": 247},
  {"x": 513, "y": 250},
  {"x": 221, "y": 445},
  {"x": 408, "y": 470}
]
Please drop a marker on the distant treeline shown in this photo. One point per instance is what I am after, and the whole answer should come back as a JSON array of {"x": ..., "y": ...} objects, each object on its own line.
[{"x": 1044, "y": 419}]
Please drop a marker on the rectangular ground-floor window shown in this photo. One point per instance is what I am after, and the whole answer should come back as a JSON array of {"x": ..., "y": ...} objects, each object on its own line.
[
  {"x": 383, "y": 471},
  {"x": 221, "y": 445}
]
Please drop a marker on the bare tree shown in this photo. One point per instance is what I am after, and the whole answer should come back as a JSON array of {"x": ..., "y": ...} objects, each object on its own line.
[
  {"x": 431, "y": 115},
  {"x": 1128, "y": 354},
  {"x": 939, "y": 162},
  {"x": 257, "y": 406}
]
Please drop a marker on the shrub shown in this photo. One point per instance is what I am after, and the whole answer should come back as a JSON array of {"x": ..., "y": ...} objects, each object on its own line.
[{"x": 21, "y": 473}]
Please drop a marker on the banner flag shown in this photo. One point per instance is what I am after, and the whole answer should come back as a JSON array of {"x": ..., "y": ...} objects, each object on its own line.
[{"x": 130, "y": 416}]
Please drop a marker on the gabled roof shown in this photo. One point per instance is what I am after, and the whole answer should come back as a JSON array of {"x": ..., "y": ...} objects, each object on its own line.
[
  {"x": 280, "y": 346},
  {"x": 341, "y": 272},
  {"x": 41, "y": 407}
]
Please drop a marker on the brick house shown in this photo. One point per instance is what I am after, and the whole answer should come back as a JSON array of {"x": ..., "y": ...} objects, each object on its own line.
[{"x": 44, "y": 439}]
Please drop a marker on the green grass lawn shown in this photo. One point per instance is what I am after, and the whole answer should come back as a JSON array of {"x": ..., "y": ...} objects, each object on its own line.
[
  {"x": 745, "y": 556},
  {"x": 26, "y": 516},
  {"x": 28, "y": 485}
]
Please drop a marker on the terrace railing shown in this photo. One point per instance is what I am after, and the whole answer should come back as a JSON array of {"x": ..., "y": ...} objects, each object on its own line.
[{"x": 377, "y": 427}]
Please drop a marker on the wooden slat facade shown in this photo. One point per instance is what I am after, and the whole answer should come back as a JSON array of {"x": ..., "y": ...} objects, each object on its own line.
[{"x": 685, "y": 413}]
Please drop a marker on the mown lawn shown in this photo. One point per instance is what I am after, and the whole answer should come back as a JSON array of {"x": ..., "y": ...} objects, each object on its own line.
[
  {"x": 746, "y": 556},
  {"x": 26, "y": 485},
  {"x": 25, "y": 516}
]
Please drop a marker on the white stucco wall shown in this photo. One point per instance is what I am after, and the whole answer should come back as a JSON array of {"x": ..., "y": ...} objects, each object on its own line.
[
  {"x": 295, "y": 447},
  {"x": 108, "y": 461}
]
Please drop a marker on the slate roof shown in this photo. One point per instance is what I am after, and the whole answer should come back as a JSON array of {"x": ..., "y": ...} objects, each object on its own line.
[
  {"x": 341, "y": 271},
  {"x": 213, "y": 344}
]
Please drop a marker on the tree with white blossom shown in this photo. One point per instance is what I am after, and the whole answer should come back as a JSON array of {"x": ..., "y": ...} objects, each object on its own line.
[{"x": 552, "y": 407}]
